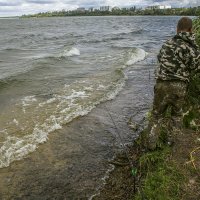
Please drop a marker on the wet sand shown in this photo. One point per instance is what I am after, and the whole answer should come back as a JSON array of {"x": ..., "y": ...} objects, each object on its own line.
[{"x": 72, "y": 164}]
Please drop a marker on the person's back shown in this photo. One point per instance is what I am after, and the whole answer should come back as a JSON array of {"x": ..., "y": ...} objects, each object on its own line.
[{"x": 178, "y": 58}]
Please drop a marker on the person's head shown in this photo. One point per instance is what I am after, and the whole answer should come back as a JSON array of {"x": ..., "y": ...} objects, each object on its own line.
[{"x": 184, "y": 25}]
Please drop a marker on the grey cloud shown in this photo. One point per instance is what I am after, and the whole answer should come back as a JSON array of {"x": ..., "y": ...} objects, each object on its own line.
[
  {"x": 41, "y": 1},
  {"x": 159, "y": 0},
  {"x": 83, "y": 3},
  {"x": 176, "y": 3},
  {"x": 8, "y": 4},
  {"x": 5, "y": 3}
]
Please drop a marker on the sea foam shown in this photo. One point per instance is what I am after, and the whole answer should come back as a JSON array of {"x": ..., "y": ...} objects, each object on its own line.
[
  {"x": 72, "y": 52},
  {"x": 67, "y": 107},
  {"x": 136, "y": 56},
  {"x": 15, "y": 148}
]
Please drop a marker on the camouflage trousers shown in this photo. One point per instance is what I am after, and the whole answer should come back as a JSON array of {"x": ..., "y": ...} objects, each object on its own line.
[{"x": 169, "y": 94}]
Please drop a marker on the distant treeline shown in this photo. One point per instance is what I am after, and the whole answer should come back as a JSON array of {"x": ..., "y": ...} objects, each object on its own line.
[{"x": 195, "y": 11}]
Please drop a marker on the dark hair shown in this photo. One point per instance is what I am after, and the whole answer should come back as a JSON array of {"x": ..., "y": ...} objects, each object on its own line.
[{"x": 184, "y": 24}]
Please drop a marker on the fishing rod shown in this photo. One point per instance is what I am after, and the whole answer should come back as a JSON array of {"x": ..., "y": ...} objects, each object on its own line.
[{"x": 133, "y": 168}]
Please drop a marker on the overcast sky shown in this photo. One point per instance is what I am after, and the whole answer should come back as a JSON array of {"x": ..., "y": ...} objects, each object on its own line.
[{"x": 19, "y": 7}]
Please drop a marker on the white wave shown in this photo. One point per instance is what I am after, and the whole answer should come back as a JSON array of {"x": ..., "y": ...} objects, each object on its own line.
[
  {"x": 72, "y": 52},
  {"x": 114, "y": 93},
  {"x": 106, "y": 176},
  {"x": 15, "y": 148},
  {"x": 15, "y": 122},
  {"x": 28, "y": 100},
  {"x": 75, "y": 94},
  {"x": 136, "y": 56}
]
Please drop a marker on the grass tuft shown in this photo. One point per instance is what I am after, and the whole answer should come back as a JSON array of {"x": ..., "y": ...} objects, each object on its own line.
[{"x": 163, "y": 178}]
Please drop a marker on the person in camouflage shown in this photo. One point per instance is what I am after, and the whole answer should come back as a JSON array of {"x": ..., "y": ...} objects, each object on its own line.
[{"x": 178, "y": 59}]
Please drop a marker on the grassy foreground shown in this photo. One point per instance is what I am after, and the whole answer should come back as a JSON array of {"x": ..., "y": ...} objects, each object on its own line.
[{"x": 171, "y": 173}]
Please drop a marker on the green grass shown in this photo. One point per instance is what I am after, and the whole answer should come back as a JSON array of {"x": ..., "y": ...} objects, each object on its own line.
[
  {"x": 162, "y": 177},
  {"x": 197, "y": 29},
  {"x": 192, "y": 116}
]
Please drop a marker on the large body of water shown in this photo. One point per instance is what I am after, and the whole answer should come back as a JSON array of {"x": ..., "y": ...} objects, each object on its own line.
[{"x": 55, "y": 69}]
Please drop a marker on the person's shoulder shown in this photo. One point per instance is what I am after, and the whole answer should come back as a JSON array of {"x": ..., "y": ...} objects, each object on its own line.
[
  {"x": 181, "y": 45},
  {"x": 167, "y": 43},
  {"x": 171, "y": 43},
  {"x": 178, "y": 41}
]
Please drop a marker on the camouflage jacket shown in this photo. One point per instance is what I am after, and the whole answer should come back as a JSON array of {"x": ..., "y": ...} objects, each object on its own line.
[{"x": 178, "y": 57}]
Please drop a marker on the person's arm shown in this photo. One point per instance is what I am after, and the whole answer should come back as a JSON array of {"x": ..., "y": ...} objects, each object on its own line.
[
  {"x": 192, "y": 58},
  {"x": 196, "y": 60}
]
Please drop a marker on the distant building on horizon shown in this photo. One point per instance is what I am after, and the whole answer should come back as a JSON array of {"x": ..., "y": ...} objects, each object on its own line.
[
  {"x": 105, "y": 8},
  {"x": 116, "y": 8},
  {"x": 81, "y": 9},
  {"x": 159, "y": 7},
  {"x": 91, "y": 9}
]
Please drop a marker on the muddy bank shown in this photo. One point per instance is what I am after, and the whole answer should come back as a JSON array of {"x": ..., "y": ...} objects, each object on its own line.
[
  {"x": 73, "y": 163},
  {"x": 120, "y": 184}
]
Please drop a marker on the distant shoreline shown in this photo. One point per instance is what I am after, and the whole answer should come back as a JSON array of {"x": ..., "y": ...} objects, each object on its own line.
[
  {"x": 195, "y": 11},
  {"x": 15, "y": 17},
  {"x": 22, "y": 17}
]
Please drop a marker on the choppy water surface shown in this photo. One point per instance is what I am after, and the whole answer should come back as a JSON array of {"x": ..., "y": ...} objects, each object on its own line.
[{"x": 55, "y": 69}]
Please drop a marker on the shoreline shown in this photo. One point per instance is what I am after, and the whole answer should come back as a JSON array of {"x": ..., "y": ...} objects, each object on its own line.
[
  {"x": 168, "y": 173},
  {"x": 195, "y": 16},
  {"x": 69, "y": 166}
]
